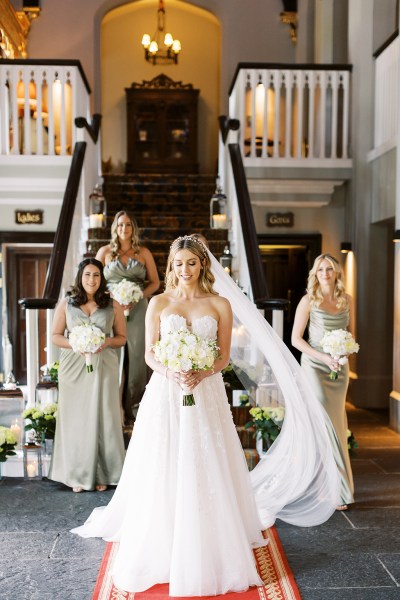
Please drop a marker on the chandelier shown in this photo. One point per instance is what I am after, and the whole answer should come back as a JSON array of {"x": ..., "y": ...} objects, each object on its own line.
[{"x": 161, "y": 48}]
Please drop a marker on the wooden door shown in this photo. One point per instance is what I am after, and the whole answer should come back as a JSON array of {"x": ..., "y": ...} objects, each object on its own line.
[
  {"x": 26, "y": 270},
  {"x": 287, "y": 260}
]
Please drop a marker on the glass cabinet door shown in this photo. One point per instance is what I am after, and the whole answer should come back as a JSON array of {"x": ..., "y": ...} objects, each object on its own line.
[
  {"x": 146, "y": 127},
  {"x": 178, "y": 131}
]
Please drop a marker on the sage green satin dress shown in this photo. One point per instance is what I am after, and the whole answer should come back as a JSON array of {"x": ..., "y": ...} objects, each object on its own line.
[
  {"x": 88, "y": 445},
  {"x": 135, "y": 271},
  {"x": 331, "y": 394}
]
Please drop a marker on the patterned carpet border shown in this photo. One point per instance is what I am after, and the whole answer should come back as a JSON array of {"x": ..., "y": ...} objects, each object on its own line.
[{"x": 272, "y": 565}]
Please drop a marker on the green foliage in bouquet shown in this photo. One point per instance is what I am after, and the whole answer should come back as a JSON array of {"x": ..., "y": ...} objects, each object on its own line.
[
  {"x": 43, "y": 422},
  {"x": 267, "y": 422},
  {"x": 8, "y": 441}
]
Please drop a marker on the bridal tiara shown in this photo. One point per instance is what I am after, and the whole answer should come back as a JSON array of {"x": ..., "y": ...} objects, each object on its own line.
[{"x": 190, "y": 238}]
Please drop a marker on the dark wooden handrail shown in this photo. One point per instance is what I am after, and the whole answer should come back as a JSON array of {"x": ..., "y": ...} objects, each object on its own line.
[
  {"x": 256, "y": 270},
  {"x": 55, "y": 271}
]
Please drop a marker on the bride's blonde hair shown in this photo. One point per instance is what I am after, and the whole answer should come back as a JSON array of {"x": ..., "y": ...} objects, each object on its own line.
[
  {"x": 196, "y": 247},
  {"x": 314, "y": 289}
]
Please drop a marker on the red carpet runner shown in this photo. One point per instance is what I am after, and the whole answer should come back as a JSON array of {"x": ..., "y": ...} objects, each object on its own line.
[{"x": 279, "y": 583}]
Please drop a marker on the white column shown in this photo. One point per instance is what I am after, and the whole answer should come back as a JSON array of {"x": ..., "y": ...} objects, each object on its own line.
[
  {"x": 277, "y": 322},
  {"x": 323, "y": 31},
  {"x": 32, "y": 354}
]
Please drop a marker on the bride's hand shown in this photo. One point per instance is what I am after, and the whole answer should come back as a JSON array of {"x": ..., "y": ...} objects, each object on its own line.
[{"x": 189, "y": 379}]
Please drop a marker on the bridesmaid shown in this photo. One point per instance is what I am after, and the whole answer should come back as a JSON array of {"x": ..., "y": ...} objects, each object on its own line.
[
  {"x": 125, "y": 258},
  {"x": 88, "y": 447},
  {"x": 325, "y": 307}
]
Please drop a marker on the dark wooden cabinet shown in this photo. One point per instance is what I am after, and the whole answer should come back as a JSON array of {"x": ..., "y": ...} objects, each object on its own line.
[{"x": 161, "y": 126}]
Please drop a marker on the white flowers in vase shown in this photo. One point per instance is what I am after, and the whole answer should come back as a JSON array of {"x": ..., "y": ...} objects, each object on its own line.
[
  {"x": 339, "y": 343},
  {"x": 86, "y": 339},
  {"x": 126, "y": 292}
]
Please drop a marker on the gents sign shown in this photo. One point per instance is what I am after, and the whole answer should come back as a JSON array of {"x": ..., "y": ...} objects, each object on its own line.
[
  {"x": 29, "y": 217},
  {"x": 280, "y": 219}
]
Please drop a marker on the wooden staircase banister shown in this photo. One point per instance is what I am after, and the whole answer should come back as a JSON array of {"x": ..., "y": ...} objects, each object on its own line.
[
  {"x": 55, "y": 270},
  {"x": 256, "y": 271}
]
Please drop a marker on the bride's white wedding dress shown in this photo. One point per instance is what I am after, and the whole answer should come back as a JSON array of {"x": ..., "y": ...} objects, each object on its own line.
[{"x": 184, "y": 511}]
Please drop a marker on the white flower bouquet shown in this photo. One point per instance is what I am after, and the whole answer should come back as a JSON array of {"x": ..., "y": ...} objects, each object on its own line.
[
  {"x": 126, "y": 292},
  {"x": 8, "y": 441},
  {"x": 339, "y": 343},
  {"x": 86, "y": 339},
  {"x": 183, "y": 351}
]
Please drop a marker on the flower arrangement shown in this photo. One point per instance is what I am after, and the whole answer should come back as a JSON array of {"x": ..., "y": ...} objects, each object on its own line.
[
  {"x": 183, "y": 350},
  {"x": 50, "y": 372},
  {"x": 8, "y": 441},
  {"x": 126, "y": 292},
  {"x": 351, "y": 440},
  {"x": 86, "y": 339},
  {"x": 267, "y": 422},
  {"x": 42, "y": 422},
  {"x": 339, "y": 343}
]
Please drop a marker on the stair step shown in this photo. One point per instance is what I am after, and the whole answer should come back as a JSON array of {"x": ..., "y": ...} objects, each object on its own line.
[
  {"x": 162, "y": 232},
  {"x": 159, "y": 248},
  {"x": 197, "y": 207}
]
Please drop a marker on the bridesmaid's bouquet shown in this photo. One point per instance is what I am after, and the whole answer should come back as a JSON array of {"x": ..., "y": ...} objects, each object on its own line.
[
  {"x": 126, "y": 292},
  {"x": 339, "y": 343},
  {"x": 182, "y": 351},
  {"x": 86, "y": 339}
]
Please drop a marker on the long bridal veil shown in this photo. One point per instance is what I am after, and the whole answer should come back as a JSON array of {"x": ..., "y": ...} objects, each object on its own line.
[{"x": 297, "y": 481}]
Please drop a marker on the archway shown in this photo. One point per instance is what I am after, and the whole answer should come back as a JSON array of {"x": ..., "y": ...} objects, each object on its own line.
[{"x": 122, "y": 62}]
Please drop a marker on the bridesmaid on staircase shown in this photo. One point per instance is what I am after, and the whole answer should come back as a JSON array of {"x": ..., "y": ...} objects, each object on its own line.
[
  {"x": 125, "y": 258},
  {"x": 326, "y": 307}
]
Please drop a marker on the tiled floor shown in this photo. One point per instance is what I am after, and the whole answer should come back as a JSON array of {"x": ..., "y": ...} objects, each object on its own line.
[{"x": 355, "y": 555}]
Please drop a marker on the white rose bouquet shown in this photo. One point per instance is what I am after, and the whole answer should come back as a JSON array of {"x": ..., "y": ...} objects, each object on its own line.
[
  {"x": 338, "y": 343},
  {"x": 183, "y": 350},
  {"x": 8, "y": 441},
  {"x": 86, "y": 339},
  {"x": 126, "y": 292}
]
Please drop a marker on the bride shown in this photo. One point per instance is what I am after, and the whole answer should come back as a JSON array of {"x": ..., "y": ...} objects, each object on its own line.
[{"x": 186, "y": 510}]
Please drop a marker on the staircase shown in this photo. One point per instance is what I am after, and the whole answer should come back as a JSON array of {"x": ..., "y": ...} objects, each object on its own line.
[{"x": 165, "y": 206}]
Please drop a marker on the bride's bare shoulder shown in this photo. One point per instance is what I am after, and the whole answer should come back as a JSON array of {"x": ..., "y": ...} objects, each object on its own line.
[
  {"x": 160, "y": 301},
  {"x": 221, "y": 304}
]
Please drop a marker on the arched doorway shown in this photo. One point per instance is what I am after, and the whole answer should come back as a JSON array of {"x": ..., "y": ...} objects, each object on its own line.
[{"x": 122, "y": 62}]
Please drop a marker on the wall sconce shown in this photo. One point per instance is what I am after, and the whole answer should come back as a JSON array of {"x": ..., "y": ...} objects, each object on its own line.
[
  {"x": 345, "y": 247},
  {"x": 226, "y": 260},
  {"x": 32, "y": 461},
  {"x": 218, "y": 202},
  {"x": 396, "y": 236}
]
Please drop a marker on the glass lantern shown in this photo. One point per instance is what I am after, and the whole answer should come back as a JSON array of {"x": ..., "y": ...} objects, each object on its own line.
[
  {"x": 226, "y": 260},
  {"x": 218, "y": 209},
  {"x": 32, "y": 461},
  {"x": 97, "y": 209}
]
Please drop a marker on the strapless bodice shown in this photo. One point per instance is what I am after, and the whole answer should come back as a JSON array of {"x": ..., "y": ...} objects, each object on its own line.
[
  {"x": 322, "y": 321},
  {"x": 205, "y": 327},
  {"x": 134, "y": 270}
]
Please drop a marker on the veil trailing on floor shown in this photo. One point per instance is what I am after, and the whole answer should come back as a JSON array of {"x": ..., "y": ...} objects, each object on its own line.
[{"x": 297, "y": 480}]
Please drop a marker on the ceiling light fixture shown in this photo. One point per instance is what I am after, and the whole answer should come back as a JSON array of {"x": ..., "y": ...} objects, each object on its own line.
[{"x": 161, "y": 48}]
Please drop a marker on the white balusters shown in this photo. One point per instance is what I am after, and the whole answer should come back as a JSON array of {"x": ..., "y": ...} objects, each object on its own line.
[{"x": 302, "y": 113}]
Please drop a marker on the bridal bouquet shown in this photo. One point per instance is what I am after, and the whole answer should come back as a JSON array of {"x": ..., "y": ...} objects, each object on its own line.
[
  {"x": 183, "y": 350},
  {"x": 339, "y": 343},
  {"x": 126, "y": 292},
  {"x": 86, "y": 339}
]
